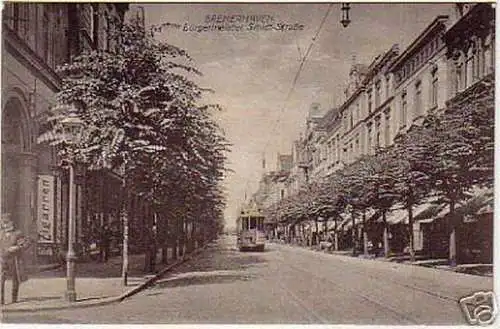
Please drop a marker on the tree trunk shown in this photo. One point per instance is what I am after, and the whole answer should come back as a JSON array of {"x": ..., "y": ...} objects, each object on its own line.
[
  {"x": 335, "y": 237},
  {"x": 410, "y": 229},
  {"x": 164, "y": 246},
  {"x": 2, "y": 281},
  {"x": 173, "y": 239},
  {"x": 365, "y": 235},
  {"x": 354, "y": 237},
  {"x": 316, "y": 227},
  {"x": 181, "y": 237},
  {"x": 453, "y": 235},
  {"x": 125, "y": 221},
  {"x": 386, "y": 234}
]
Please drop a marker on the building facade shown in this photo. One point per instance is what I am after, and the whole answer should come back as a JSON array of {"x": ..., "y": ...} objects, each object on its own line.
[
  {"x": 445, "y": 63},
  {"x": 37, "y": 37}
]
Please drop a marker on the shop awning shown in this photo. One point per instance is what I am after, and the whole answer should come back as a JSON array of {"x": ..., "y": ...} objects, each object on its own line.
[
  {"x": 423, "y": 211},
  {"x": 481, "y": 203}
]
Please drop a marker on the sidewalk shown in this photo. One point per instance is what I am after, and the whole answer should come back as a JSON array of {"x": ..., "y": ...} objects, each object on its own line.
[
  {"x": 439, "y": 264},
  {"x": 96, "y": 284}
]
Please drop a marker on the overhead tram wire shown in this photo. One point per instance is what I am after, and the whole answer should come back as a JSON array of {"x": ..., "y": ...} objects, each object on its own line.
[{"x": 295, "y": 79}]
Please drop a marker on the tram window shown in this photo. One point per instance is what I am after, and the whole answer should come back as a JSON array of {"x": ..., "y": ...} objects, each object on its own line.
[
  {"x": 245, "y": 223},
  {"x": 253, "y": 222}
]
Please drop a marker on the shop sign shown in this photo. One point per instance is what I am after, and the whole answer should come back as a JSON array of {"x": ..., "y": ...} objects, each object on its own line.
[{"x": 45, "y": 218}]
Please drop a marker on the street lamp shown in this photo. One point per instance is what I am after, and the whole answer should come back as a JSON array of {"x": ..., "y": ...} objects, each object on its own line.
[
  {"x": 72, "y": 126},
  {"x": 345, "y": 14}
]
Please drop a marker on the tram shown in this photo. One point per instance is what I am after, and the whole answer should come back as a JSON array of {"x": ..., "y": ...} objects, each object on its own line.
[{"x": 250, "y": 230}]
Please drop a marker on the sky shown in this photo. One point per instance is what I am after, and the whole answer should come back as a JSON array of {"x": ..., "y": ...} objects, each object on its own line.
[{"x": 252, "y": 72}]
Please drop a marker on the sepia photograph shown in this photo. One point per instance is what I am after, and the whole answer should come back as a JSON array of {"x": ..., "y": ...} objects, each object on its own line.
[{"x": 247, "y": 163}]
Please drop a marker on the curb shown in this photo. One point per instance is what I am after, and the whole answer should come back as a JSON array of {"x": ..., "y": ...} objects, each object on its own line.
[{"x": 109, "y": 300}]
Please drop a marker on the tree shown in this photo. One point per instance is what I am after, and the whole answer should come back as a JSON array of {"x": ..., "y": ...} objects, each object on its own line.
[
  {"x": 463, "y": 152},
  {"x": 379, "y": 186},
  {"x": 141, "y": 112},
  {"x": 352, "y": 188},
  {"x": 413, "y": 160}
]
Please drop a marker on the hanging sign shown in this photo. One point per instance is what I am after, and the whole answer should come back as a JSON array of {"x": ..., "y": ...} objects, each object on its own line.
[{"x": 45, "y": 218}]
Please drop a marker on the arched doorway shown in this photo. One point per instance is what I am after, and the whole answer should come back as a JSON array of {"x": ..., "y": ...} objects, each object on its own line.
[{"x": 14, "y": 144}]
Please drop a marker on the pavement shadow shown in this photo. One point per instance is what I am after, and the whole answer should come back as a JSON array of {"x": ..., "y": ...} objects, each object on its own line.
[
  {"x": 95, "y": 269},
  {"x": 222, "y": 261},
  {"x": 38, "y": 299},
  {"x": 215, "y": 278}
]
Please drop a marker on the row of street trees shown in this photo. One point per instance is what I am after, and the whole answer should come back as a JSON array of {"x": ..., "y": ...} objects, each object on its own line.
[
  {"x": 141, "y": 114},
  {"x": 446, "y": 156}
]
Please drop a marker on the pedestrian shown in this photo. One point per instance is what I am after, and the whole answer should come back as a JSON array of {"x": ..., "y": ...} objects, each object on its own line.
[
  {"x": 105, "y": 243},
  {"x": 12, "y": 246}
]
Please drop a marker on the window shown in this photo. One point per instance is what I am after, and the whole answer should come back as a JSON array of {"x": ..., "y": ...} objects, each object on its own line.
[
  {"x": 476, "y": 71},
  {"x": 369, "y": 139},
  {"x": 357, "y": 145},
  {"x": 23, "y": 24},
  {"x": 44, "y": 42},
  {"x": 387, "y": 129},
  {"x": 335, "y": 152},
  {"x": 369, "y": 101},
  {"x": 15, "y": 16},
  {"x": 467, "y": 72},
  {"x": 403, "y": 109},
  {"x": 418, "y": 98},
  {"x": 86, "y": 12},
  {"x": 458, "y": 78},
  {"x": 282, "y": 194},
  {"x": 377, "y": 133},
  {"x": 387, "y": 86},
  {"x": 104, "y": 31},
  {"x": 358, "y": 114},
  {"x": 434, "y": 89},
  {"x": 339, "y": 155},
  {"x": 377, "y": 94},
  {"x": 480, "y": 62}
]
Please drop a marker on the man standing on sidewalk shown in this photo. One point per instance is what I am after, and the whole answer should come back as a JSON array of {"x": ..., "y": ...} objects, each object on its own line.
[{"x": 12, "y": 246}]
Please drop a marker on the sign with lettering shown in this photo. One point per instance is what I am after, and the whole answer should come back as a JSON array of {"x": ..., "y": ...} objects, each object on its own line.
[{"x": 45, "y": 218}]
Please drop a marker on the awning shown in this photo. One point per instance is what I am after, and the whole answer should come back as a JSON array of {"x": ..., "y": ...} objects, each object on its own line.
[
  {"x": 424, "y": 211},
  {"x": 481, "y": 203}
]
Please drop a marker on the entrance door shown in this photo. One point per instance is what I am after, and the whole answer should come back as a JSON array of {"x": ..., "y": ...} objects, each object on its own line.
[{"x": 12, "y": 147}]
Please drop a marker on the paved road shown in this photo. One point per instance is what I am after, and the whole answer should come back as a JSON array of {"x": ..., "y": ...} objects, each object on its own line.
[{"x": 285, "y": 285}]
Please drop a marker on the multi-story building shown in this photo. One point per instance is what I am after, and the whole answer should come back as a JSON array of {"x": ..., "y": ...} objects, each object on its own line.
[
  {"x": 470, "y": 46},
  {"x": 420, "y": 76},
  {"x": 37, "y": 37},
  {"x": 446, "y": 61},
  {"x": 366, "y": 113}
]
